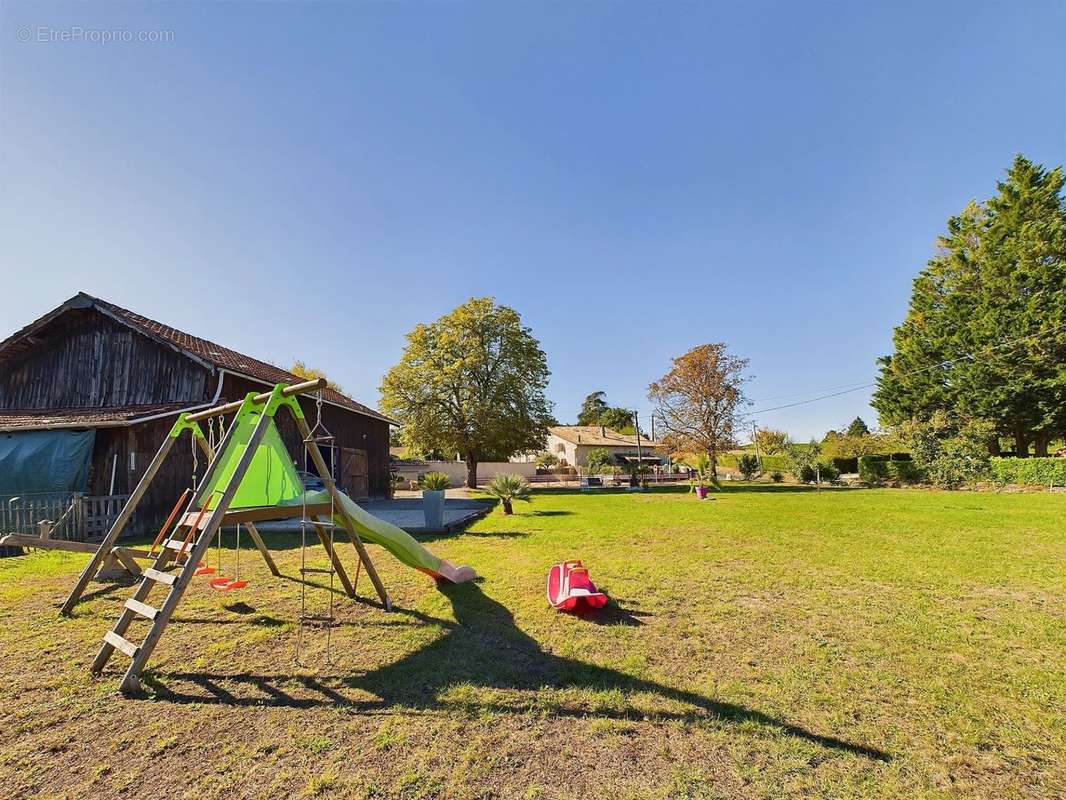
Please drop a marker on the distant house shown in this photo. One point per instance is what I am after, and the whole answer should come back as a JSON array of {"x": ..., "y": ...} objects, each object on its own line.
[
  {"x": 89, "y": 391},
  {"x": 573, "y": 443}
]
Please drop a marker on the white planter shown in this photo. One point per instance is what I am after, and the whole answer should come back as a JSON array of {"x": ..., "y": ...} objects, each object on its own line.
[{"x": 433, "y": 509}]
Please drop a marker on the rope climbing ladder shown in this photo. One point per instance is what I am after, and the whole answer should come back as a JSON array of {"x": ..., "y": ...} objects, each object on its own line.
[
  {"x": 249, "y": 478},
  {"x": 321, "y": 438}
]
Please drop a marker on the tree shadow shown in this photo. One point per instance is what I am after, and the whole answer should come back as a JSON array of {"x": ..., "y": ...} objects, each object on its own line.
[
  {"x": 429, "y": 538},
  {"x": 110, "y": 586},
  {"x": 484, "y": 648},
  {"x": 743, "y": 487}
]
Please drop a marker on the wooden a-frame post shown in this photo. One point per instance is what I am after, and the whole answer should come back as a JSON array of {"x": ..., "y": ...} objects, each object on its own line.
[
  {"x": 108, "y": 543},
  {"x": 200, "y": 536},
  {"x": 131, "y": 680}
]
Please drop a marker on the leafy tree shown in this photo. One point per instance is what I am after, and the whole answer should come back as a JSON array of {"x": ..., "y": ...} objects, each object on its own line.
[
  {"x": 801, "y": 460},
  {"x": 748, "y": 465},
  {"x": 950, "y": 452},
  {"x": 697, "y": 401},
  {"x": 771, "y": 442},
  {"x": 848, "y": 446},
  {"x": 857, "y": 427},
  {"x": 597, "y": 459},
  {"x": 985, "y": 335},
  {"x": 301, "y": 370},
  {"x": 595, "y": 411},
  {"x": 471, "y": 382},
  {"x": 546, "y": 459},
  {"x": 592, "y": 409},
  {"x": 619, "y": 420}
]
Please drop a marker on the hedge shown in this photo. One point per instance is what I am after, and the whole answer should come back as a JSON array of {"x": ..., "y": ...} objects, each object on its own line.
[
  {"x": 1030, "y": 471},
  {"x": 877, "y": 469},
  {"x": 769, "y": 463}
]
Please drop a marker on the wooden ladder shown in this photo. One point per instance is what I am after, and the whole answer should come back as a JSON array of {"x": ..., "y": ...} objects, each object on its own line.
[
  {"x": 193, "y": 547},
  {"x": 176, "y": 582}
]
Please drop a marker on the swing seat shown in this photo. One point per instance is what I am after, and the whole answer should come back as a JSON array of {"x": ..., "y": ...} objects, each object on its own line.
[
  {"x": 220, "y": 581},
  {"x": 203, "y": 569},
  {"x": 226, "y": 585}
]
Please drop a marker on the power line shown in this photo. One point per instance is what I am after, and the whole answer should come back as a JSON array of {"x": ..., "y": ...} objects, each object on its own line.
[
  {"x": 846, "y": 388},
  {"x": 946, "y": 362}
]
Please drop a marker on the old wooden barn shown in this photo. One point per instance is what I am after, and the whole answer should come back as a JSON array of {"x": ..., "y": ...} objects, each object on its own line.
[{"x": 89, "y": 390}]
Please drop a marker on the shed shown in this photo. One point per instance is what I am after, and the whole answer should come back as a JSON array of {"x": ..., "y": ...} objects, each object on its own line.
[{"x": 92, "y": 370}]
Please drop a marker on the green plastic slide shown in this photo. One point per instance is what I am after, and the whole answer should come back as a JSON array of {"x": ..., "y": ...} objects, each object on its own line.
[
  {"x": 396, "y": 540},
  {"x": 272, "y": 480}
]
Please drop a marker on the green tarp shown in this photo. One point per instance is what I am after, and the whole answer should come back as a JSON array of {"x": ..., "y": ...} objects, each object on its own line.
[
  {"x": 34, "y": 462},
  {"x": 271, "y": 479}
]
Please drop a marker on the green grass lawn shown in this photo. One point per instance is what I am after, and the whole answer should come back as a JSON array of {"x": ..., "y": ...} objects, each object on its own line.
[{"x": 770, "y": 642}]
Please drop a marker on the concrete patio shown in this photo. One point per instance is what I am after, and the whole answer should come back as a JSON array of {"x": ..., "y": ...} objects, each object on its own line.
[{"x": 406, "y": 513}]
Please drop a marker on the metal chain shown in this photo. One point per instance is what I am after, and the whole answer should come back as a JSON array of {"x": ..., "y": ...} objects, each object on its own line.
[{"x": 195, "y": 460}]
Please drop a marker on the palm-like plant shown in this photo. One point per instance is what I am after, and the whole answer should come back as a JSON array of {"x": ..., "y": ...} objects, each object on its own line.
[
  {"x": 508, "y": 488},
  {"x": 436, "y": 481}
]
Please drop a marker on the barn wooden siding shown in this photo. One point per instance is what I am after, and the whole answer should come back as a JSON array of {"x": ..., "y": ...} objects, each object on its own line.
[
  {"x": 352, "y": 431},
  {"x": 133, "y": 447},
  {"x": 84, "y": 359}
]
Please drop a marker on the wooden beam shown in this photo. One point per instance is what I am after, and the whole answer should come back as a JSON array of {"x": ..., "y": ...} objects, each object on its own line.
[
  {"x": 288, "y": 391},
  {"x": 261, "y": 545},
  {"x": 127, "y": 561},
  {"x": 24, "y": 540},
  {"x": 131, "y": 680},
  {"x": 261, "y": 514},
  {"x": 349, "y": 525},
  {"x": 121, "y": 521},
  {"x": 334, "y": 559}
]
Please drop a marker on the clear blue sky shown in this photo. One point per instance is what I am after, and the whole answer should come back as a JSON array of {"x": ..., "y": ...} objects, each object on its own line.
[{"x": 311, "y": 181}]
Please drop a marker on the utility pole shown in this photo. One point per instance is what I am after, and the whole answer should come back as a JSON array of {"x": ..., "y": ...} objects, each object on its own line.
[
  {"x": 653, "y": 426},
  {"x": 640, "y": 459},
  {"x": 755, "y": 441}
]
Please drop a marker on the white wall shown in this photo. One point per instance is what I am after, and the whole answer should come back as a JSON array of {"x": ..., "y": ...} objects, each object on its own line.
[{"x": 456, "y": 470}]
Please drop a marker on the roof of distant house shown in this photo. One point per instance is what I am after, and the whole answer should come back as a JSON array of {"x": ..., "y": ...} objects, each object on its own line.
[
  {"x": 599, "y": 436},
  {"x": 199, "y": 349}
]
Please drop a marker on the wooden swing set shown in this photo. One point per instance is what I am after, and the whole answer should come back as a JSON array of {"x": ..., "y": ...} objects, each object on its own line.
[{"x": 200, "y": 513}]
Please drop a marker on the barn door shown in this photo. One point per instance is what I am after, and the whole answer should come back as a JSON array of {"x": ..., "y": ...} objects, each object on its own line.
[{"x": 353, "y": 475}]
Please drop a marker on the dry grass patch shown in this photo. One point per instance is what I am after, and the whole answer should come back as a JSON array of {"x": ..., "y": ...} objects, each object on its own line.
[{"x": 767, "y": 643}]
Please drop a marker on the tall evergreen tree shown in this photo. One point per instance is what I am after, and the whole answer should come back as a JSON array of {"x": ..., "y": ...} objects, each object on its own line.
[
  {"x": 858, "y": 427},
  {"x": 985, "y": 335},
  {"x": 592, "y": 409}
]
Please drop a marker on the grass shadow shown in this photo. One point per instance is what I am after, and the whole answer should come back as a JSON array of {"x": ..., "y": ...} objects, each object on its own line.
[
  {"x": 612, "y": 614},
  {"x": 483, "y": 648}
]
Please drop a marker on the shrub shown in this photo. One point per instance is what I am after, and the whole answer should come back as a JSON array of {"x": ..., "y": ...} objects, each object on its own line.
[
  {"x": 948, "y": 451},
  {"x": 801, "y": 460},
  {"x": 827, "y": 472},
  {"x": 597, "y": 459},
  {"x": 776, "y": 476},
  {"x": 904, "y": 471},
  {"x": 748, "y": 466},
  {"x": 845, "y": 464},
  {"x": 873, "y": 469},
  {"x": 436, "y": 481},
  {"x": 1030, "y": 471}
]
